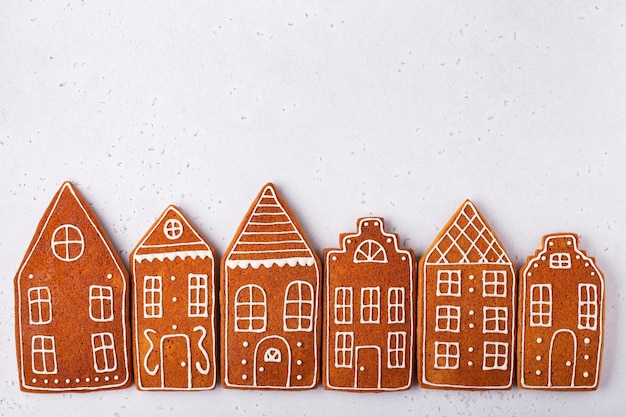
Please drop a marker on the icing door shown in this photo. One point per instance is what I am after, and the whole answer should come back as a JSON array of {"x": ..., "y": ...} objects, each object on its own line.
[
  {"x": 175, "y": 362},
  {"x": 272, "y": 363},
  {"x": 562, "y": 359},
  {"x": 367, "y": 367}
]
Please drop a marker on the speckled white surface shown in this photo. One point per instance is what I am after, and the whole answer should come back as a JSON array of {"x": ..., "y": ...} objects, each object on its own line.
[{"x": 352, "y": 109}]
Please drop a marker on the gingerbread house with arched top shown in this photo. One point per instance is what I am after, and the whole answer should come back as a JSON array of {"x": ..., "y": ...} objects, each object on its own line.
[
  {"x": 173, "y": 274},
  {"x": 369, "y": 311},
  {"x": 561, "y": 317},
  {"x": 466, "y": 320},
  {"x": 270, "y": 295},
  {"x": 71, "y": 303}
]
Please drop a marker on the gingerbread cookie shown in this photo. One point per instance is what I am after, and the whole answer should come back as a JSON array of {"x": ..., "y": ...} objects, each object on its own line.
[
  {"x": 71, "y": 303},
  {"x": 270, "y": 297},
  {"x": 561, "y": 318},
  {"x": 369, "y": 311},
  {"x": 174, "y": 306},
  {"x": 466, "y": 316}
]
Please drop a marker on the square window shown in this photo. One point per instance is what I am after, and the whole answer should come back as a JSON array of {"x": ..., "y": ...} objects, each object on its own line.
[
  {"x": 449, "y": 283},
  {"x": 495, "y": 319},
  {"x": 494, "y": 283}
]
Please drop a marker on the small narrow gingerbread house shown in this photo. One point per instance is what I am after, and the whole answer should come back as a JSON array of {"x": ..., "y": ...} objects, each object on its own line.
[
  {"x": 71, "y": 303},
  {"x": 369, "y": 311},
  {"x": 560, "y": 333},
  {"x": 270, "y": 295},
  {"x": 174, "y": 306},
  {"x": 466, "y": 318}
]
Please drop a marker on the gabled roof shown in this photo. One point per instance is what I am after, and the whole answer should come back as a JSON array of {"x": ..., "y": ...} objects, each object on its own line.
[
  {"x": 467, "y": 239},
  {"x": 172, "y": 236},
  {"x": 269, "y": 236}
]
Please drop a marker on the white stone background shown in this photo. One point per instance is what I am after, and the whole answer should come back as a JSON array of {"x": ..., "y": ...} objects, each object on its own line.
[{"x": 395, "y": 109}]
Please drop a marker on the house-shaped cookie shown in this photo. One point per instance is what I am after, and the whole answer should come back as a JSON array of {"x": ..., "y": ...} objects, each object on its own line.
[
  {"x": 270, "y": 295},
  {"x": 71, "y": 303},
  {"x": 561, "y": 317},
  {"x": 173, "y": 306},
  {"x": 466, "y": 315},
  {"x": 369, "y": 311}
]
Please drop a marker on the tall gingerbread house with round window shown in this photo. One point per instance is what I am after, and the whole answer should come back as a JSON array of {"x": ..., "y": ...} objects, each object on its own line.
[
  {"x": 466, "y": 318},
  {"x": 71, "y": 303},
  {"x": 270, "y": 295},
  {"x": 561, "y": 317},
  {"x": 369, "y": 311}
]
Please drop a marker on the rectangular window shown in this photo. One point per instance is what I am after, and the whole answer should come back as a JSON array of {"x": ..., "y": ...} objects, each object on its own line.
[
  {"x": 495, "y": 319},
  {"x": 103, "y": 348},
  {"x": 152, "y": 291},
  {"x": 396, "y": 348},
  {"x": 560, "y": 261},
  {"x": 370, "y": 305},
  {"x": 494, "y": 283},
  {"x": 343, "y": 305},
  {"x": 495, "y": 356},
  {"x": 344, "y": 344},
  {"x": 449, "y": 283},
  {"x": 100, "y": 303},
  {"x": 44, "y": 355},
  {"x": 40, "y": 305},
  {"x": 448, "y": 319},
  {"x": 587, "y": 306},
  {"x": 395, "y": 305},
  {"x": 198, "y": 297},
  {"x": 541, "y": 305},
  {"x": 447, "y": 355}
]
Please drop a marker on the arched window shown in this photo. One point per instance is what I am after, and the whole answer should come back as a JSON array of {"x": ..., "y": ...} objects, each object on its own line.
[
  {"x": 370, "y": 251},
  {"x": 173, "y": 229},
  {"x": 67, "y": 243},
  {"x": 250, "y": 309},
  {"x": 298, "y": 313}
]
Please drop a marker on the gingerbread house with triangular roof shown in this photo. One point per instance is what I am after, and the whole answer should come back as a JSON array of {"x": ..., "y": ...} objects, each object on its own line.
[
  {"x": 270, "y": 295},
  {"x": 466, "y": 318},
  {"x": 71, "y": 303},
  {"x": 173, "y": 274}
]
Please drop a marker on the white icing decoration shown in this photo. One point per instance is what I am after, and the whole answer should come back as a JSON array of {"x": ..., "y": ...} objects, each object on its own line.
[
  {"x": 245, "y": 263},
  {"x": 193, "y": 254}
]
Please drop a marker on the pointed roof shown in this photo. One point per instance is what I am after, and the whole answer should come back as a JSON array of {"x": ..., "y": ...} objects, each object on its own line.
[
  {"x": 466, "y": 239},
  {"x": 269, "y": 235},
  {"x": 172, "y": 236}
]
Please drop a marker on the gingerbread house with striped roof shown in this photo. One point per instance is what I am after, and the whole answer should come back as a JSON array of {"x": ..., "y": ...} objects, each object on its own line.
[
  {"x": 270, "y": 295},
  {"x": 466, "y": 293}
]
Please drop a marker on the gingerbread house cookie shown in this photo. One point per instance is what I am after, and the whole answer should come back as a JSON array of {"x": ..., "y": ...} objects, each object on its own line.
[
  {"x": 369, "y": 314},
  {"x": 174, "y": 306},
  {"x": 466, "y": 316},
  {"x": 561, "y": 318},
  {"x": 71, "y": 303},
  {"x": 270, "y": 295}
]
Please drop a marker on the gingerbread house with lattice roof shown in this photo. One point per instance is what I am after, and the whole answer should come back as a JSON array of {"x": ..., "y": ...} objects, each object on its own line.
[
  {"x": 173, "y": 275},
  {"x": 270, "y": 295},
  {"x": 466, "y": 318}
]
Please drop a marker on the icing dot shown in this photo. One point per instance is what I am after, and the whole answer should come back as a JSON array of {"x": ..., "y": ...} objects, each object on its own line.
[
  {"x": 116, "y": 377},
  {"x": 539, "y": 340},
  {"x": 97, "y": 379},
  {"x": 67, "y": 381},
  {"x": 106, "y": 378},
  {"x": 362, "y": 368},
  {"x": 109, "y": 276},
  {"x": 587, "y": 340},
  {"x": 245, "y": 344},
  {"x": 471, "y": 312},
  {"x": 593, "y": 273},
  {"x": 261, "y": 369},
  {"x": 586, "y": 263},
  {"x": 173, "y": 278},
  {"x": 299, "y": 377},
  {"x": 471, "y": 290},
  {"x": 45, "y": 381},
  {"x": 31, "y": 276},
  {"x": 530, "y": 274},
  {"x": 470, "y": 363},
  {"x": 89, "y": 379},
  {"x": 535, "y": 265},
  {"x": 586, "y": 374},
  {"x": 174, "y": 299},
  {"x": 34, "y": 380},
  {"x": 183, "y": 364},
  {"x": 244, "y": 362},
  {"x": 375, "y": 223},
  {"x": 174, "y": 327},
  {"x": 569, "y": 242},
  {"x": 56, "y": 381},
  {"x": 537, "y": 372},
  {"x": 244, "y": 377},
  {"x": 77, "y": 380},
  {"x": 568, "y": 363},
  {"x": 366, "y": 224},
  {"x": 577, "y": 256},
  {"x": 551, "y": 243},
  {"x": 470, "y": 349},
  {"x": 471, "y": 277},
  {"x": 334, "y": 258},
  {"x": 404, "y": 258},
  {"x": 586, "y": 357},
  {"x": 299, "y": 344},
  {"x": 389, "y": 240},
  {"x": 471, "y": 325},
  {"x": 349, "y": 240},
  {"x": 543, "y": 258},
  {"x": 538, "y": 357},
  {"x": 298, "y": 362}
]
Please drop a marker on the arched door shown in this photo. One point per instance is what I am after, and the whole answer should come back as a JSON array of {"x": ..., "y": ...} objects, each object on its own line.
[
  {"x": 562, "y": 365},
  {"x": 272, "y": 362}
]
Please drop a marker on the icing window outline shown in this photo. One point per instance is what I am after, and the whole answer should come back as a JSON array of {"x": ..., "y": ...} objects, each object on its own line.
[
  {"x": 370, "y": 305},
  {"x": 560, "y": 261},
  {"x": 370, "y": 251},
  {"x": 447, "y": 355},
  {"x": 495, "y": 319},
  {"x": 587, "y": 307},
  {"x": 449, "y": 283},
  {"x": 395, "y": 305},
  {"x": 541, "y": 305},
  {"x": 494, "y": 283},
  {"x": 344, "y": 345},
  {"x": 343, "y": 305},
  {"x": 272, "y": 355},
  {"x": 100, "y": 303},
  {"x": 495, "y": 356},
  {"x": 44, "y": 357},
  {"x": 39, "y": 305},
  {"x": 173, "y": 229},
  {"x": 104, "y": 357},
  {"x": 298, "y": 307},
  {"x": 68, "y": 243},
  {"x": 250, "y": 309},
  {"x": 448, "y": 319},
  {"x": 152, "y": 296},
  {"x": 198, "y": 295},
  {"x": 396, "y": 350}
]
